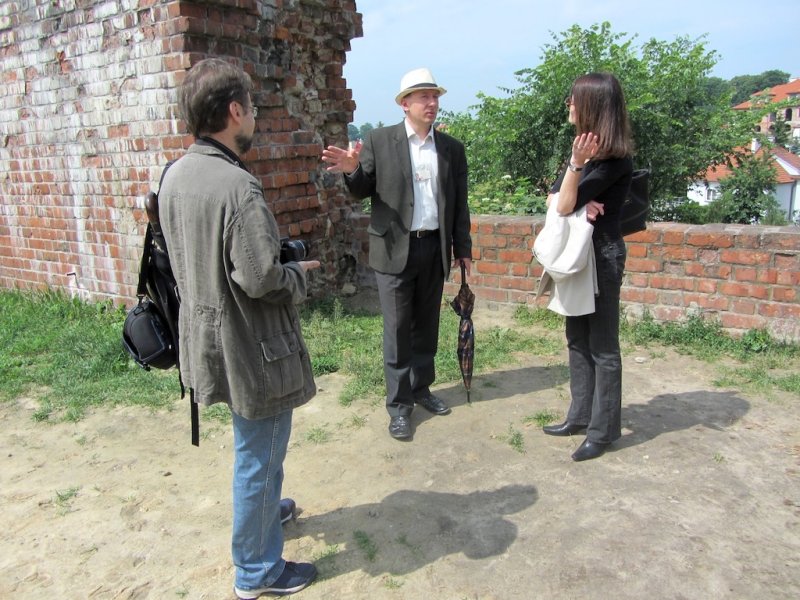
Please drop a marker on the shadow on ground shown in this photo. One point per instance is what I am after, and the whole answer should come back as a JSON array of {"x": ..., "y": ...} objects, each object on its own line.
[
  {"x": 384, "y": 539},
  {"x": 667, "y": 413}
]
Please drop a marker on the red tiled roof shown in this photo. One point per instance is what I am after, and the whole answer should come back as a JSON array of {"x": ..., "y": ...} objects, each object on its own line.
[
  {"x": 787, "y": 156},
  {"x": 716, "y": 174},
  {"x": 776, "y": 93}
]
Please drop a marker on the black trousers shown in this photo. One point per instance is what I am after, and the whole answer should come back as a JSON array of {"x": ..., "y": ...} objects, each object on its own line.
[
  {"x": 595, "y": 363},
  {"x": 410, "y": 303}
]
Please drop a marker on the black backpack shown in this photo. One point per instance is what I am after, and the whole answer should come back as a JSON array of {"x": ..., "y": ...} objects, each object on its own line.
[
  {"x": 150, "y": 331},
  {"x": 636, "y": 208}
]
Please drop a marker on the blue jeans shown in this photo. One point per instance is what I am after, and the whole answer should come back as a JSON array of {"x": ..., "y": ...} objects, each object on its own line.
[
  {"x": 257, "y": 541},
  {"x": 595, "y": 363}
]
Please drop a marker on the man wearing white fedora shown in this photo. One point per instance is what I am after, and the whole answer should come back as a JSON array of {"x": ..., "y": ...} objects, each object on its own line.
[{"x": 416, "y": 178}]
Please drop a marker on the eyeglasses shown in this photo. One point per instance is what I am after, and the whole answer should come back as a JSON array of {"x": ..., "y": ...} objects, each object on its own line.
[
  {"x": 255, "y": 111},
  {"x": 568, "y": 101}
]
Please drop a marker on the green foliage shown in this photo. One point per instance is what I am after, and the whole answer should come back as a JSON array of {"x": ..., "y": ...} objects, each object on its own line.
[
  {"x": 706, "y": 339},
  {"x": 542, "y": 418},
  {"x": 506, "y": 196},
  {"x": 747, "y": 194},
  {"x": 681, "y": 124},
  {"x": 366, "y": 545},
  {"x": 539, "y": 316},
  {"x": 352, "y": 344},
  {"x": 352, "y": 132},
  {"x": 690, "y": 212},
  {"x": 745, "y": 86},
  {"x": 515, "y": 439},
  {"x": 68, "y": 355},
  {"x": 365, "y": 129}
]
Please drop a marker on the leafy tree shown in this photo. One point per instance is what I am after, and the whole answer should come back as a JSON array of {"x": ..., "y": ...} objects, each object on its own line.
[
  {"x": 716, "y": 87},
  {"x": 352, "y": 132},
  {"x": 364, "y": 130},
  {"x": 681, "y": 123},
  {"x": 781, "y": 132},
  {"x": 746, "y": 85},
  {"x": 748, "y": 193}
]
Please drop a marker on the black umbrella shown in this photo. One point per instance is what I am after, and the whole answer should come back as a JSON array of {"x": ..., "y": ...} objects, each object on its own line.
[{"x": 463, "y": 304}]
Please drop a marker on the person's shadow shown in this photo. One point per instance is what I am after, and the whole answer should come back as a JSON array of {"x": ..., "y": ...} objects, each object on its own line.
[
  {"x": 496, "y": 385},
  {"x": 666, "y": 413},
  {"x": 409, "y": 529}
]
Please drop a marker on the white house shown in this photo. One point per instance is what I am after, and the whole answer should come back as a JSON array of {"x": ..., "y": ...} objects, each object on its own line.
[{"x": 787, "y": 190}]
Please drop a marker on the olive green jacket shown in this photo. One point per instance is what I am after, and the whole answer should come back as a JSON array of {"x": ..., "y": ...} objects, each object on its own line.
[{"x": 240, "y": 339}]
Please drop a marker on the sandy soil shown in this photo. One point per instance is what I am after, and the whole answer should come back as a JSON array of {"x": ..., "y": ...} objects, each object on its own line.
[{"x": 700, "y": 498}]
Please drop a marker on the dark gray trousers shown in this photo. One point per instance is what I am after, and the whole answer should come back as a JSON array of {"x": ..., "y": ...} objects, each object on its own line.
[
  {"x": 595, "y": 364},
  {"x": 410, "y": 303}
]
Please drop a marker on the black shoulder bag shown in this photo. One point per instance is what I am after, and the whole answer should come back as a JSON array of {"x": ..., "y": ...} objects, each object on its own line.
[{"x": 636, "y": 208}]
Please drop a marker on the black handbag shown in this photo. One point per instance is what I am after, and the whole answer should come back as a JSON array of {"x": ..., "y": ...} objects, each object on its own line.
[
  {"x": 146, "y": 337},
  {"x": 149, "y": 333},
  {"x": 636, "y": 208}
]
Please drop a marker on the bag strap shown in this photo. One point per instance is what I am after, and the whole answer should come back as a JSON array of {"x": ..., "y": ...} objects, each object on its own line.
[
  {"x": 141, "y": 287},
  {"x": 195, "y": 418}
]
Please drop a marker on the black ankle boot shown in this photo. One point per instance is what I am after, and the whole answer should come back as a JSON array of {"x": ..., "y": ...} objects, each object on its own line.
[
  {"x": 565, "y": 428},
  {"x": 588, "y": 450}
]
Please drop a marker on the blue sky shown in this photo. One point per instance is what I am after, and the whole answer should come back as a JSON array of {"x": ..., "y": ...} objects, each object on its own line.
[{"x": 476, "y": 46}]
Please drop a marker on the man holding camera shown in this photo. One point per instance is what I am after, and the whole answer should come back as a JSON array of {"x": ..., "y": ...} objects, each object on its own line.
[
  {"x": 240, "y": 338},
  {"x": 416, "y": 178}
]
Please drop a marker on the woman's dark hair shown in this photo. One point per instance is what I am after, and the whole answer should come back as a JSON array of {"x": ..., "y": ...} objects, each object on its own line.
[
  {"x": 209, "y": 88},
  {"x": 600, "y": 109}
]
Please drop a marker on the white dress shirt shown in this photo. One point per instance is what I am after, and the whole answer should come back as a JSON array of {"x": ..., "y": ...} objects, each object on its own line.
[{"x": 425, "y": 174}]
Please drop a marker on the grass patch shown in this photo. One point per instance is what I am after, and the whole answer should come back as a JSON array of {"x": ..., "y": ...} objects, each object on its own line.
[
  {"x": 64, "y": 499},
  {"x": 391, "y": 583},
  {"x": 318, "y": 435},
  {"x": 539, "y": 316},
  {"x": 325, "y": 561},
  {"x": 763, "y": 363},
  {"x": 515, "y": 439},
  {"x": 542, "y": 418},
  {"x": 217, "y": 413},
  {"x": 68, "y": 355},
  {"x": 352, "y": 343},
  {"x": 356, "y": 421},
  {"x": 366, "y": 545}
]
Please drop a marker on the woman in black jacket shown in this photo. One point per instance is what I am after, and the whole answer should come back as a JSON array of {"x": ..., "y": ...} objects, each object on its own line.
[{"x": 597, "y": 176}]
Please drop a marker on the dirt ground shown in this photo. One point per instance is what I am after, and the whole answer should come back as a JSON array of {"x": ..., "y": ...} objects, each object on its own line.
[{"x": 699, "y": 499}]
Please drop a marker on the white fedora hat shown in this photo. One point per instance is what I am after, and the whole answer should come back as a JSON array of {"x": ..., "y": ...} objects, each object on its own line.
[{"x": 418, "y": 79}]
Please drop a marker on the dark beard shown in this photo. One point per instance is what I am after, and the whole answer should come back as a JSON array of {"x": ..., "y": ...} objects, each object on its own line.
[{"x": 243, "y": 143}]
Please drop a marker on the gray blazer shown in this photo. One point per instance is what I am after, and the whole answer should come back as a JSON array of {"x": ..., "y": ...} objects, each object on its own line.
[{"x": 384, "y": 175}]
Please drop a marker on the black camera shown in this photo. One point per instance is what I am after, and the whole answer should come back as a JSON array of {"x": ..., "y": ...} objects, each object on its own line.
[{"x": 293, "y": 250}]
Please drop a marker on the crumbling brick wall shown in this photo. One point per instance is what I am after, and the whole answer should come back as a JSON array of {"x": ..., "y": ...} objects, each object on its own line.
[{"x": 88, "y": 118}]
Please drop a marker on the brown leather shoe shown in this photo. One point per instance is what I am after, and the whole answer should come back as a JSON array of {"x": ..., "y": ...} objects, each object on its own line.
[{"x": 433, "y": 404}]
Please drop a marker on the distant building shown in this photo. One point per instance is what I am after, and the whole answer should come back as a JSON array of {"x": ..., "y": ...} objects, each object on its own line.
[
  {"x": 773, "y": 95},
  {"x": 787, "y": 164},
  {"x": 787, "y": 190}
]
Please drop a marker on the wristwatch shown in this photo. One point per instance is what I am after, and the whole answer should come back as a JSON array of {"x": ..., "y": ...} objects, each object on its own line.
[{"x": 573, "y": 168}]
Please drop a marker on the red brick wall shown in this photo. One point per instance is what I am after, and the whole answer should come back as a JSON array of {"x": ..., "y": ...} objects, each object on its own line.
[
  {"x": 746, "y": 276},
  {"x": 88, "y": 118}
]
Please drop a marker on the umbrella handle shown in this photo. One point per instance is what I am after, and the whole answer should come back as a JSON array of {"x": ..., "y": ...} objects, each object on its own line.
[{"x": 463, "y": 273}]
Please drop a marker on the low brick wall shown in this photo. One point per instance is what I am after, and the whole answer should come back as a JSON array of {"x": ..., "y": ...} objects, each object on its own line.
[{"x": 746, "y": 276}]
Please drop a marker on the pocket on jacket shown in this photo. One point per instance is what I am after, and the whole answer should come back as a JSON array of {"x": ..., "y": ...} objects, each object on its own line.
[
  {"x": 281, "y": 364},
  {"x": 376, "y": 231},
  {"x": 205, "y": 349}
]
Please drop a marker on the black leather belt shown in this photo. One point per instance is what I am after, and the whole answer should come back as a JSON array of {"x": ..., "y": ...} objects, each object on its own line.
[{"x": 421, "y": 233}]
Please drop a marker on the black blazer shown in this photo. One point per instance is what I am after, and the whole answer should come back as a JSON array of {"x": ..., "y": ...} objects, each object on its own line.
[{"x": 384, "y": 175}]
